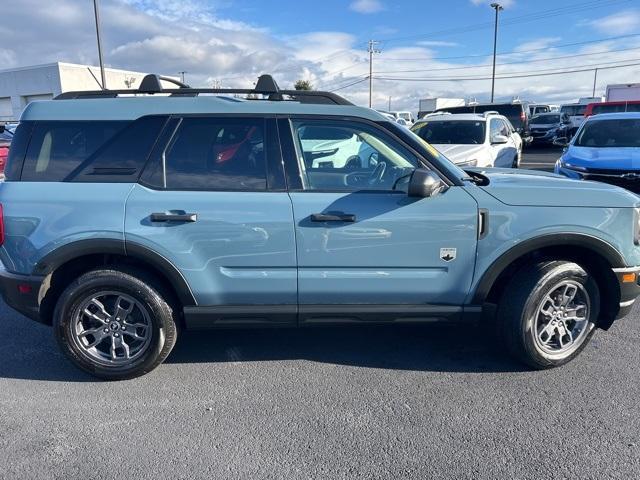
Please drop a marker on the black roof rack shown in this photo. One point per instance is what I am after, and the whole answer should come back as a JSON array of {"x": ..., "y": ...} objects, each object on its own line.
[{"x": 266, "y": 86}]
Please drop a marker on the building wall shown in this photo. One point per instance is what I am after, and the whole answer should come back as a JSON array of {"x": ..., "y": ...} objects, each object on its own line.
[{"x": 20, "y": 86}]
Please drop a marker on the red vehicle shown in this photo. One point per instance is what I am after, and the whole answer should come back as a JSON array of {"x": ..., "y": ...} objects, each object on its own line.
[
  {"x": 612, "y": 107},
  {"x": 5, "y": 143}
]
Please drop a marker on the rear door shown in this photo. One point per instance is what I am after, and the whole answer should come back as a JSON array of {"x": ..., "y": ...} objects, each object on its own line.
[
  {"x": 503, "y": 153},
  {"x": 213, "y": 202},
  {"x": 365, "y": 249}
]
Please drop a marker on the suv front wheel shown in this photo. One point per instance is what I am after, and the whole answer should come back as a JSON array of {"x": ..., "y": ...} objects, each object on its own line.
[
  {"x": 548, "y": 313},
  {"x": 114, "y": 325}
]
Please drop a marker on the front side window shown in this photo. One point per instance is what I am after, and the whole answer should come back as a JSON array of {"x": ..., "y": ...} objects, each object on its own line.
[
  {"x": 452, "y": 132},
  {"x": 341, "y": 155},
  {"x": 216, "y": 154},
  {"x": 610, "y": 133}
]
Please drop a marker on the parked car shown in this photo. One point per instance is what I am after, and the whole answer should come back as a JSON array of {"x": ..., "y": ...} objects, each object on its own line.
[
  {"x": 124, "y": 220},
  {"x": 405, "y": 115},
  {"x": 612, "y": 107},
  {"x": 605, "y": 149},
  {"x": 6, "y": 136},
  {"x": 537, "y": 109},
  {"x": 469, "y": 139},
  {"x": 517, "y": 113},
  {"x": 576, "y": 111},
  {"x": 548, "y": 127}
]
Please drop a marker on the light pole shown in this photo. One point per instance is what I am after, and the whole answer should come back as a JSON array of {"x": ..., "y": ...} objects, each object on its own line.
[
  {"x": 372, "y": 50},
  {"x": 96, "y": 12},
  {"x": 595, "y": 79},
  {"x": 497, "y": 8}
]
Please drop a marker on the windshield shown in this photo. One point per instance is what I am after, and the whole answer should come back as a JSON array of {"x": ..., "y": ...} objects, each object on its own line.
[
  {"x": 459, "y": 132},
  {"x": 546, "y": 119},
  {"x": 610, "y": 133},
  {"x": 573, "y": 110},
  {"x": 405, "y": 115}
]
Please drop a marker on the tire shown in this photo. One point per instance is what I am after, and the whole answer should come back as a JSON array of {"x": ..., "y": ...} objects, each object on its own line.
[
  {"x": 536, "y": 338},
  {"x": 98, "y": 323}
]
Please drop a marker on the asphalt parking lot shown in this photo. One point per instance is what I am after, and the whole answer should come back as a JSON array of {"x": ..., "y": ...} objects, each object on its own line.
[{"x": 407, "y": 402}]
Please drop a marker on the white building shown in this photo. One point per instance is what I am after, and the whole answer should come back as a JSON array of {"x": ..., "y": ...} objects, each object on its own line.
[{"x": 19, "y": 86}]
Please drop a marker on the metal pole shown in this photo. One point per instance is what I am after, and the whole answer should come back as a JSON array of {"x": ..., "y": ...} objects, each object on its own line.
[
  {"x": 389, "y": 102},
  {"x": 595, "y": 77},
  {"x": 497, "y": 8},
  {"x": 96, "y": 11},
  {"x": 372, "y": 43},
  {"x": 182, "y": 76}
]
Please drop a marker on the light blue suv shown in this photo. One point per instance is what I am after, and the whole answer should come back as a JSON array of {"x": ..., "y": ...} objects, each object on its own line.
[{"x": 128, "y": 218}]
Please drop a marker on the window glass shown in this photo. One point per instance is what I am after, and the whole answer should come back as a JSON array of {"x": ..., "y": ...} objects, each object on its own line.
[
  {"x": 57, "y": 148},
  {"x": 610, "y": 133},
  {"x": 458, "y": 132},
  {"x": 495, "y": 127},
  {"x": 349, "y": 156},
  {"x": 217, "y": 154}
]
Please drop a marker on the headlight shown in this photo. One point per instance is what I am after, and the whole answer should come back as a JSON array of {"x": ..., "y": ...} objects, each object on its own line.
[
  {"x": 468, "y": 163},
  {"x": 636, "y": 226},
  {"x": 570, "y": 166}
]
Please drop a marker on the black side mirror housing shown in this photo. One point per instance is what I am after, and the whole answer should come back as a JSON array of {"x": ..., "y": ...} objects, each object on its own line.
[
  {"x": 1, "y": 127},
  {"x": 425, "y": 183}
]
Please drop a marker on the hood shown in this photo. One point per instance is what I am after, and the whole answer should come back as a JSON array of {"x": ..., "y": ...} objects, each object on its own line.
[
  {"x": 541, "y": 189},
  {"x": 461, "y": 153},
  {"x": 544, "y": 125},
  {"x": 618, "y": 158}
]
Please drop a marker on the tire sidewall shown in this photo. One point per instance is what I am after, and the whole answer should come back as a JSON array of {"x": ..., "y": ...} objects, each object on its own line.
[
  {"x": 94, "y": 282},
  {"x": 564, "y": 271}
]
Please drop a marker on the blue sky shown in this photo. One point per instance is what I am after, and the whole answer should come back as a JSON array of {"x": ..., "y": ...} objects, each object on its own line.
[{"x": 233, "y": 41}]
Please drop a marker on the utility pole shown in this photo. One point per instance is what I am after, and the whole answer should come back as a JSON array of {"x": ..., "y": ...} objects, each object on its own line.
[
  {"x": 96, "y": 12},
  {"x": 371, "y": 50},
  {"x": 497, "y": 8},
  {"x": 389, "y": 102},
  {"x": 182, "y": 76},
  {"x": 595, "y": 78}
]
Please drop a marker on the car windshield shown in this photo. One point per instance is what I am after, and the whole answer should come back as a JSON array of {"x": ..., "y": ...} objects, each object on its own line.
[
  {"x": 573, "y": 110},
  {"x": 610, "y": 133},
  {"x": 466, "y": 132},
  {"x": 546, "y": 119}
]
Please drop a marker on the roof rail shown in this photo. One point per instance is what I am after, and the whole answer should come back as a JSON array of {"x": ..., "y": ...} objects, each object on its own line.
[{"x": 266, "y": 86}]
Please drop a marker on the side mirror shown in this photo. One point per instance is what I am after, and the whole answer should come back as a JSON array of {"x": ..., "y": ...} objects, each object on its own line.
[
  {"x": 499, "y": 139},
  {"x": 561, "y": 142},
  {"x": 425, "y": 183},
  {"x": 1, "y": 127}
]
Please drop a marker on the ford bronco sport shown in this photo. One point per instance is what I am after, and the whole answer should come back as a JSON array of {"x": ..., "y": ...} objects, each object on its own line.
[{"x": 125, "y": 219}]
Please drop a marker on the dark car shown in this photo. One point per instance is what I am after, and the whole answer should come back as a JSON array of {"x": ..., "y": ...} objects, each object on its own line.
[
  {"x": 547, "y": 127},
  {"x": 517, "y": 113}
]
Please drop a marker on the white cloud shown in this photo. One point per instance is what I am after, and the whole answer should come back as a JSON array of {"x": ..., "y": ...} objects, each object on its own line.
[
  {"x": 366, "y": 6},
  {"x": 437, "y": 43},
  {"x": 169, "y": 36},
  {"x": 618, "y": 23}
]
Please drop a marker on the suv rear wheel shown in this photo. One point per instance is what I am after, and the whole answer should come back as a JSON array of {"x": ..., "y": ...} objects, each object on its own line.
[
  {"x": 548, "y": 313},
  {"x": 114, "y": 325}
]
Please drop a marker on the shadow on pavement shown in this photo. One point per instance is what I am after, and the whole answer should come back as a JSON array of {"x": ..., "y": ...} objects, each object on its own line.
[{"x": 31, "y": 353}]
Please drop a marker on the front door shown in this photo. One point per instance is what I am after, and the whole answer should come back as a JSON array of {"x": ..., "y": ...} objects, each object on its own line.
[
  {"x": 212, "y": 205},
  {"x": 365, "y": 246}
]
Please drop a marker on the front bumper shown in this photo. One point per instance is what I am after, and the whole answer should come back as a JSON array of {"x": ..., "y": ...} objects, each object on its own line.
[
  {"x": 22, "y": 293},
  {"x": 629, "y": 283}
]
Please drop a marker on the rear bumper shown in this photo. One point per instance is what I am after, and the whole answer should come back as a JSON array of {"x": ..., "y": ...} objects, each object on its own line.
[
  {"x": 629, "y": 289},
  {"x": 22, "y": 293}
]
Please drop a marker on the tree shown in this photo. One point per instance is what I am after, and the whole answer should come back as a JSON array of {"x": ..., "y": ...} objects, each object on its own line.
[{"x": 303, "y": 85}]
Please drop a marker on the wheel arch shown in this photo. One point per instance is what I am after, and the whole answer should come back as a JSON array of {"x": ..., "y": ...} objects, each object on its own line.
[
  {"x": 593, "y": 254},
  {"x": 75, "y": 258}
]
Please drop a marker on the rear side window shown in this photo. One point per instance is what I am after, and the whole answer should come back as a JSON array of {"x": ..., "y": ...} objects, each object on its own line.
[
  {"x": 57, "y": 148},
  {"x": 17, "y": 151},
  {"x": 209, "y": 153}
]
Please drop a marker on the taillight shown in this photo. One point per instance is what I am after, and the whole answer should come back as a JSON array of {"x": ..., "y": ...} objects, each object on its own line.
[
  {"x": 1, "y": 225},
  {"x": 523, "y": 116}
]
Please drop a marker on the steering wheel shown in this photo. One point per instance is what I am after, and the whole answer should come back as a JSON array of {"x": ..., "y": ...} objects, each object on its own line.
[{"x": 377, "y": 174}]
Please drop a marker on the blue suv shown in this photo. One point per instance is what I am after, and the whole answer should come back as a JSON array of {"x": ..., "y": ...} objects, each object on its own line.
[{"x": 126, "y": 219}]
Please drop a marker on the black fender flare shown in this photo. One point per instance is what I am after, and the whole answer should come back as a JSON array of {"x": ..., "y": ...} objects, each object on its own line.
[
  {"x": 597, "y": 245},
  {"x": 70, "y": 251}
]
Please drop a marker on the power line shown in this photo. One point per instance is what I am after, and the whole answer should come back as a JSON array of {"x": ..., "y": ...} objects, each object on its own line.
[
  {"x": 527, "y": 75},
  {"x": 548, "y": 59},
  {"x": 350, "y": 84}
]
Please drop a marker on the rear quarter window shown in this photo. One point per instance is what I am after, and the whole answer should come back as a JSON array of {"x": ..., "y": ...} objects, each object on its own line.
[{"x": 90, "y": 151}]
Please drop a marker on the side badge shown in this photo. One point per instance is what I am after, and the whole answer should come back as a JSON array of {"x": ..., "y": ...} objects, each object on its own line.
[{"x": 448, "y": 254}]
